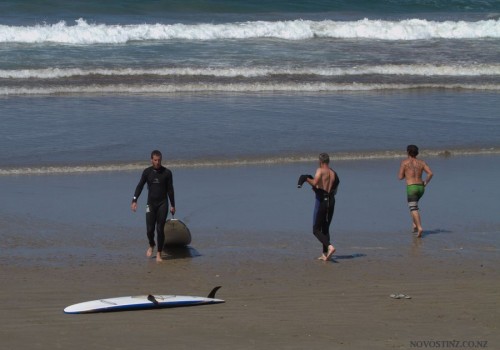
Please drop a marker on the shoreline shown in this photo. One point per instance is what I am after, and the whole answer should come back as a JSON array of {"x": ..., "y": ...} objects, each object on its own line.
[
  {"x": 244, "y": 161},
  {"x": 79, "y": 241},
  {"x": 241, "y": 205}
]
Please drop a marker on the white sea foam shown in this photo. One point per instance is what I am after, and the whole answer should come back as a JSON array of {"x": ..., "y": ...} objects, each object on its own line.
[
  {"x": 200, "y": 163},
  {"x": 232, "y": 88},
  {"x": 413, "y": 70},
  {"x": 88, "y": 33}
]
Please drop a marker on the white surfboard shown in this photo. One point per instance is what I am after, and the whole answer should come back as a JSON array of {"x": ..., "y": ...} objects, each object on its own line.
[
  {"x": 176, "y": 233},
  {"x": 141, "y": 302}
]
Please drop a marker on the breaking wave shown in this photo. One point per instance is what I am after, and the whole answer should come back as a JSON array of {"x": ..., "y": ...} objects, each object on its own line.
[
  {"x": 84, "y": 33},
  {"x": 248, "y": 72},
  {"x": 236, "y": 88}
]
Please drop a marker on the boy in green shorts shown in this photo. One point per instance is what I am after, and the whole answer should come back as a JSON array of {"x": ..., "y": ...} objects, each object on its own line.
[{"x": 412, "y": 169}]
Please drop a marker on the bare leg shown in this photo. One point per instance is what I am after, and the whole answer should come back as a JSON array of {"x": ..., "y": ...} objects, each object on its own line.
[
  {"x": 149, "y": 252},
  {"x": 415, "y": 215},
  {"x": 158, "y": 257}
]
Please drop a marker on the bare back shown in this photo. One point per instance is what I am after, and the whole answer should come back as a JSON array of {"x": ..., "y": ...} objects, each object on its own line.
[
  {"x": 412, "y": 169},
  {"x": 324, "y": 179}
]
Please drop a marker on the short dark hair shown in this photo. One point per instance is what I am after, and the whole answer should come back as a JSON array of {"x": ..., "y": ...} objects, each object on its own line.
[
  {"x": 412, "y": 150},
  {"x": 324, "y": 158},
  {"x": 156, "y": 153}
]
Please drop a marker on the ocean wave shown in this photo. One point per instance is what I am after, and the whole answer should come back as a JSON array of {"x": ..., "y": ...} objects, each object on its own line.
[
  {"x": 235, "y": 88},
  {"x": 249, "y": 72},
  {"x": 88, "y": 33},
  {"x": 224, "y": 162}
]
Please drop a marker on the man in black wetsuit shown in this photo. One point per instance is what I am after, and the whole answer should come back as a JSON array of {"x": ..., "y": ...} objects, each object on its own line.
[
  {"x": 160, "y": 190},
  {"x": 324, "y": 184}
]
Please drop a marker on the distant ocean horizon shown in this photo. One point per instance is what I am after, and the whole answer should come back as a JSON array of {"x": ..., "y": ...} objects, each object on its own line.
[{"x": 95, "y": 86}]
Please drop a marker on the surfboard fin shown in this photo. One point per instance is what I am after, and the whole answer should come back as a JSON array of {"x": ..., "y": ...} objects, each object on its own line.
[
  {"x": 211, "y": 295},
  {"x": 152, "y": 299}
]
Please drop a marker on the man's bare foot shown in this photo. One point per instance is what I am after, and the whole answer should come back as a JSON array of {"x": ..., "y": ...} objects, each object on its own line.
[
  {"x": 158, "y": 257},
  {"x": 331, "y": 250},
  {"x": 322, "y": 257},
  {"x": 149, "y": 252},
  {"x": 414, "y": 229},
  {"x": 420, "y": 232}
]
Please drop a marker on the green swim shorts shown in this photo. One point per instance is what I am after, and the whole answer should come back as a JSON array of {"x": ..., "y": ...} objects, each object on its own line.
[{"x": 414, "y": 193}]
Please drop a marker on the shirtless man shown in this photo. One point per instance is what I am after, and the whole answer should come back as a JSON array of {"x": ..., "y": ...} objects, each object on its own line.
[
  {"x": 411, "y": 169},
  {"x": 160, "y": 190},
  {"x": 324, "y": 186}
]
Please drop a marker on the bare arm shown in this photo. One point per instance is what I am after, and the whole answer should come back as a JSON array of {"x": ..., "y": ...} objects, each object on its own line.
[
  {"x": 429, "y": 173},
  {"x": 314, "y": 182}
]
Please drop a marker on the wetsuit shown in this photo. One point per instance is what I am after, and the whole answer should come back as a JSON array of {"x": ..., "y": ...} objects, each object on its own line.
[
  {"x": 414, "y": 193},
  {"x": 160, "y": 190},
  {"x": 323, "y": 214}
]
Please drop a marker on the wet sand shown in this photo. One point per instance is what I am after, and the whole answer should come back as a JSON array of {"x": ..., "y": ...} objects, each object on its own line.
[{"x": 78, "y": 241}]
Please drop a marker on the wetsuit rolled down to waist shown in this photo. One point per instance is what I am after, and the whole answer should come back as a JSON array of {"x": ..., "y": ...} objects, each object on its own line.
[
  {"x": 414, "y": 192},
  {"x": 323, "y": 214}
]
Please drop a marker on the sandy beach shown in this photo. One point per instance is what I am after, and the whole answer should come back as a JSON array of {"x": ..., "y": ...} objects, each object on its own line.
[{"x": 72, "y": 238}]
